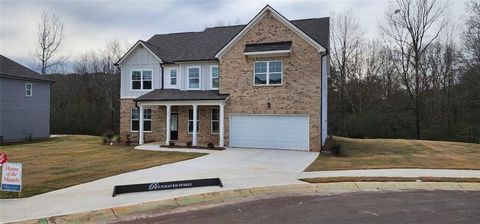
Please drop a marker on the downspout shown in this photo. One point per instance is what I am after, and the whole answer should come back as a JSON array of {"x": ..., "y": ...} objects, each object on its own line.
[
  {"x": 136, "y": 105},
  {"x": 322, "y": 57}
]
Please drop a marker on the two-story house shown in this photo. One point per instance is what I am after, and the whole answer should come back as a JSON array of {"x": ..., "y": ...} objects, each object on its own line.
[
  {"x": 259, "y": 85},
  {"x": 24, "y": 103}
]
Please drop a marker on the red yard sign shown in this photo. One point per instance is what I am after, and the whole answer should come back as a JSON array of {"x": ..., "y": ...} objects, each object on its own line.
[{"x": 3, "y": 158}]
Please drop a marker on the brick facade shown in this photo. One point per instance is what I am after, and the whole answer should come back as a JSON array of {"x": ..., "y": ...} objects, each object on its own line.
[
  {"x": 158, "y": 124},
  {"x": 300, "y": 91}
]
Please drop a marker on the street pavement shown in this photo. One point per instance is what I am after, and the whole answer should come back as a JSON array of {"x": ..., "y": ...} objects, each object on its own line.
[{"x": 436, "y": 207}]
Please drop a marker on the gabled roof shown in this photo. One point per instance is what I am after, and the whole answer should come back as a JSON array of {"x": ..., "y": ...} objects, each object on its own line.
[
  {"x": 11, "y": 69},
  {"x": 149, "y": 47},
  {"x": 204, "y": 45},
  {"x": 290, "y": 24}
]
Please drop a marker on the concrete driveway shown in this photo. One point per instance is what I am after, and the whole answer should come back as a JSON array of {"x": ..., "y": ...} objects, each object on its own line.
[{"x": 238, "y": 168}]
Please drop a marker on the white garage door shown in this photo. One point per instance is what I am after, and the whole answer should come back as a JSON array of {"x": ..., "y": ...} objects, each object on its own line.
[{"x": 269, "y": 131}]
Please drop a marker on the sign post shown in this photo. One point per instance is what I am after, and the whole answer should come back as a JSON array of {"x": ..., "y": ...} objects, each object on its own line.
[
  {"x": 3, "y": 158},
  {"x": 12, "y": 177}
]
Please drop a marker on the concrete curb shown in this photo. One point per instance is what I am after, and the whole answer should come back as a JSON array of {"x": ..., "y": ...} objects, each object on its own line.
[{"x": 157, "y": 207}]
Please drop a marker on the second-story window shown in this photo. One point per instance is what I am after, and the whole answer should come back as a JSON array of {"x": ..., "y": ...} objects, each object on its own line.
[
  {"x": 194, "y": 77},
  {"x": 141, "y": 79},
  {"x": 268, "y": 72},
  {"x": 214, "y": 77},
  {"x": 173, "y": 77}
]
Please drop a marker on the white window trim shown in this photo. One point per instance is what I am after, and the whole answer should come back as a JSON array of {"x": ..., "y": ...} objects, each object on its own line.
[
  {"x": 131, "y": 121},
  {"x": 141, "y": 79},
  {"x": 31, "y": 89},
  {"x": 268, "y": 74},
  {"x": 176, "y": 76},
  {"x": 211, "y": 121},
  {"x": 199, "y": 77},
  {"x": 188, "y": 121},
  {"x": 211, "y": 76}
]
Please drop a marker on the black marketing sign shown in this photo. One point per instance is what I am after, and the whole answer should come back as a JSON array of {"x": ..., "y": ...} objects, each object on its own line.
[{"x": 158, "y": 186}]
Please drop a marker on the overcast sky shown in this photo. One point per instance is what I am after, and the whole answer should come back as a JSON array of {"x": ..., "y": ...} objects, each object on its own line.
[{"x": 90, "y": 23}]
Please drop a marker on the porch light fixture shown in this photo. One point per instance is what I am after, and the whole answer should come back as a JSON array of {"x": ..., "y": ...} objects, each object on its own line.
[{"x": 268, "y": 105}]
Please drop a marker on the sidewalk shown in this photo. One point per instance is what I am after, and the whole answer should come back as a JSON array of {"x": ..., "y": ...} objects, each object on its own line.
[{"x": 394, "y": 173}]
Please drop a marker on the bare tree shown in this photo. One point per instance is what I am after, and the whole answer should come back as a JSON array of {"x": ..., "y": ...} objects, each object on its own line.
[
  {"x": 50, "y": 36},
  {"x": 410, "y": 28},
  {"x": 471, "y": 37},
  {"x": 346, "y": 39},
  {"x": 100, "y": 65},
  {"x": 222, "y": 22}
]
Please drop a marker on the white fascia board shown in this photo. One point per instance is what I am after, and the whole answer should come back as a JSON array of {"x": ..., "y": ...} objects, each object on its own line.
[
  {"x": 267, "y": 53},
  {"x": 135, "y": 47},
  {"x": 282, "y": 19},
  {"x": 183, "y": 103}
]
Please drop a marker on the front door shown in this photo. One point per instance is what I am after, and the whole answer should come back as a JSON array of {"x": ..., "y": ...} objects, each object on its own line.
[{"x": 174, "y": 126}]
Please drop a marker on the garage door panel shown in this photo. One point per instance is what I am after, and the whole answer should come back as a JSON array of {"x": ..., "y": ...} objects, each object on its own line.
[{"x": 269, "y": 131}]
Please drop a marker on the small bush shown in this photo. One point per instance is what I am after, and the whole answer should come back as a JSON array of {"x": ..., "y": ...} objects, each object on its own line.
[
  {"x": 128, "y": 139},
  {"x": 117, "y": 138},
  {"x": 336, "y": 149},
  {"x": 189, "y": 143},
  {"x": 171, "y": 143},
  {"x": 210, "y": 145},
  {"x": 109, "y": 135},
  {"x": 105, "y": 140}
]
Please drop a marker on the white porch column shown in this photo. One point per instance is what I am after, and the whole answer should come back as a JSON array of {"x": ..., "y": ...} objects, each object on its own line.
[
  {"x": 140, "y": 131},
  {"x": 220, "y": 144},
  {"x": 194, "y": 134},
  {"x": 167, "y": 134}
]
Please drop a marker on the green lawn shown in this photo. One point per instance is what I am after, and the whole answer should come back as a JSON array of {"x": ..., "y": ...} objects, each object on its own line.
[
  {"x": 66, "y": 161},
  {"x": 399, "y": 153}
]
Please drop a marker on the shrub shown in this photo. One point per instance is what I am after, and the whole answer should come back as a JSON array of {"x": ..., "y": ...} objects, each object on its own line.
[
  {"x": 117, "y": 138},
  {"x": 171, "y": 143},
  {"x": 210, "y": 145},
  {"x": 105, "y": 140},
  {"x": 336, "y": 149},
  {"x": 128, "y": 139},
  {"x": 109, "y": 135},
  {"x": 189, "y": 143}
]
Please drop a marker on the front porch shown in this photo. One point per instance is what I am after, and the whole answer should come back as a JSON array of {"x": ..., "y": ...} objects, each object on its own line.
[{"x": 179, "y": 109}]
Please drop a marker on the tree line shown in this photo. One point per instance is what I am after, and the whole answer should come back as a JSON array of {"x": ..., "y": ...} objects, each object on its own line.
[{"x": 413, "y": 80}]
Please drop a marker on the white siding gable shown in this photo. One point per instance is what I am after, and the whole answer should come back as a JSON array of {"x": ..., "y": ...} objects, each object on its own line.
[{"x": 139, "y": 59}]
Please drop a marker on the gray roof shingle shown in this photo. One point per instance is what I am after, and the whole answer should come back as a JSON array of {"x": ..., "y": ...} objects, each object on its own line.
[
  {"x": 197, "y": 46},
  {"x": 11, "y": 69},
  {"x": 179, "y": 95}
]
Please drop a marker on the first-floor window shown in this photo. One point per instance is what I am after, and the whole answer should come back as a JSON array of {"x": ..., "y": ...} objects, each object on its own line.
[
  {"x": 215, "y": 120},
  {"x": 147, "y": 119},
  {"x": 190, "y": 121},
  {"x": 28, "y": 89}
]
